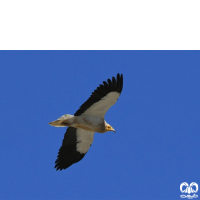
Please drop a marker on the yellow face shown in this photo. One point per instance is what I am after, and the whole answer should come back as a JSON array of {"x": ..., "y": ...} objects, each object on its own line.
[{"x": 109, "y": 128}]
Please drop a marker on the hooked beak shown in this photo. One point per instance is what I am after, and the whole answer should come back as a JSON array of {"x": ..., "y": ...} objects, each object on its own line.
[
  {"x": 113, "y": 130},
  {"x": 110, "y": 128}
]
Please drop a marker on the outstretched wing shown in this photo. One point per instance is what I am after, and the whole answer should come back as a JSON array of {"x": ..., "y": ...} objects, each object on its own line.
[
  {"x": 75, "y": 145},
  {"x": 102, "y": 98}
]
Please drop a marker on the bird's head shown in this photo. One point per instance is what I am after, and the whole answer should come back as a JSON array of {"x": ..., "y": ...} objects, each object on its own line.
[{"x": 109, "y": 128}]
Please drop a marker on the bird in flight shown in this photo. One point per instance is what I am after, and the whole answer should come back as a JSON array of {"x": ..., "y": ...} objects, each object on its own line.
[{"x": 87, "y": 120}]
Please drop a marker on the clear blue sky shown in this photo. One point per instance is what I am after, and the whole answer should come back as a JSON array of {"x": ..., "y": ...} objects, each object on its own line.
[{"x": 157, "y": 121}]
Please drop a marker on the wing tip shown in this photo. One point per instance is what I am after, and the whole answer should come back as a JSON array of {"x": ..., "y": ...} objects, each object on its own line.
[
  {"x": 119, "y": 82},
  {"x": 66, "y": 158}
]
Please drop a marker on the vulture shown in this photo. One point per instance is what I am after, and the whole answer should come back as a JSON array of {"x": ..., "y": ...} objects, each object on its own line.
[{"x": 87, "y": 120}]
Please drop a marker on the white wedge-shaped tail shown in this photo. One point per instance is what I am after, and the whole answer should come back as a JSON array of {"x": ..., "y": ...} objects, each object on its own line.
[{"x": 63, "y": 121}]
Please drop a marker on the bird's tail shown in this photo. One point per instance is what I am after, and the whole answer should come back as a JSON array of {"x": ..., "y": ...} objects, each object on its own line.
[{"x": 65, "y": 120}]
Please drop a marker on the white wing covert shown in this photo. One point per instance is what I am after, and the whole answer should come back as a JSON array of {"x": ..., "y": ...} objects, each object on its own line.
[{"x": 102, "y": 98}]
